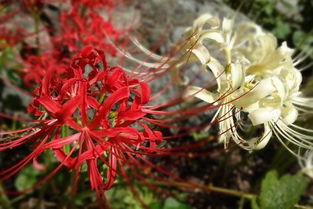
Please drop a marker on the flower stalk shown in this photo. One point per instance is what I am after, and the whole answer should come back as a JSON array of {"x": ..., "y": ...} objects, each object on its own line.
[{"x": 209, "y": 188}]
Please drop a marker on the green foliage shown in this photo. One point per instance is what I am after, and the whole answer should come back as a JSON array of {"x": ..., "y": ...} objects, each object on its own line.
[
  {"x": 282, "y": 29},
  {"x": 303, "y": 41},
  {"x": 295, "y": 29},
  {"x": 79, "y": 199},
  {"x": 280, "y": 193},
  {"x": 6, "y": 55},
  {"x": 26, "y": 178},
  {"x": 169, "y": 203},
  {"x": 121, "y": 197},
  {"x": 8, "y": 63},
  {"x": 13, "y": 76},
  {"x": 254, "y": 204}
]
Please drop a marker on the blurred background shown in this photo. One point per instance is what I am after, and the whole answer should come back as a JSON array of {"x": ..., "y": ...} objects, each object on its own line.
[{"x": 241, "y": 179}]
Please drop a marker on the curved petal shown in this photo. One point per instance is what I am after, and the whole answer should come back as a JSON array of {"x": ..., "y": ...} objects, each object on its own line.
[
  {"x": 200, "y": 93},
  {"x": 206, "y": 19},
  {"x": 202, "y": 53},
  {"x": 290, "y": 114},
  {"x": 260, "y": 90},
  {"x": 262, "y": 141},
  {"x": 263, "y": 115},
  {"x": 237, "y": 75}
]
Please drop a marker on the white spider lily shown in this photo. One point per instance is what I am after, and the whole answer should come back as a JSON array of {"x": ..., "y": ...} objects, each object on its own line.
[{"x": 258, "y": 78}]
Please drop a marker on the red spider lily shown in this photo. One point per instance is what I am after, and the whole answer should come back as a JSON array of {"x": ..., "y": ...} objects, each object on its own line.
[
  {"x": 105, "y": 114},
  {"x": 36, "y": 66},
  {"x": 84, "y": 30},
  {"x": 100, "y": 106},
  {"x": 74, "y": 30}
]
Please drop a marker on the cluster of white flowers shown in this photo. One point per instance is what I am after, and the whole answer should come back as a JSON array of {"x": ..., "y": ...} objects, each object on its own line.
[{"x": 255, "y": 77}]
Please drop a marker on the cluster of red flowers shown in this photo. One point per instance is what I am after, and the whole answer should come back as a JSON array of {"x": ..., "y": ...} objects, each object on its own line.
[
  {"x": 52, "y": 32},
  {"x": 99, "y": 105}
]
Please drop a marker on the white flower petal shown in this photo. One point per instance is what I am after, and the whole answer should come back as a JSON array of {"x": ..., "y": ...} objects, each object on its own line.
[
  {"x": 227, "y": 26},
  {"x": 218, "y": 71},
  {"x": 307, "y": 163},
  {"x": 237, "y": 75},
  {"x": 291, "y": 114},
  {"x": 263, "y": 140},
  {"x": 200, "y": 93},
  {"x": 212, "y": 35},
  {"x": 262, "y": 89},
  {"x": 285, "y": 50},
  {"x": 280, "y": 87},
  {"x": 263, "y": 115},
  {"x": 206, "y": 19},
  {"x": 202, "y": 53}
]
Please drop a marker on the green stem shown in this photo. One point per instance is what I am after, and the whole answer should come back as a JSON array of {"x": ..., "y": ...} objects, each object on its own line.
[
  {"x": 230, "y": 192},
  {"x": 303, "y": 206},
  {"x": 64, "y": 133},
  {"x": 36, "y": 16},
  {"x": 241, "y": 203},
  {"x": 18, "y": 198},
  {"x": 210, "y": 188},
  {"x": 4, "y": 200}
]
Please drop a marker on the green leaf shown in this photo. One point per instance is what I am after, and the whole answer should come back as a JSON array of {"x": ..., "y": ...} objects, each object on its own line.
[
  {"x": 268, "y": 9},
  {"x": 26, "y": 178},
  {"x": 155, "y": 205},
  {"x": 121, "y": 197},
  {"x": 80, "y": 197},
  {"x": 171, "y": 203},
  {"x": 281, "y": 193},
  {"x": 83, "y": 168},
  {"x": 254, "y": 204},
  {"x": 303, "y": 41},
  {"x": 282, "y": 29},
  {"x": 13, "y": 76},
  {"x": 301, "y": 38}
]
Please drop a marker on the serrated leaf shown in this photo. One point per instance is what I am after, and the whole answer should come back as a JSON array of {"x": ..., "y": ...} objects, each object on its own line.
[{"x": 281, "y": 193}]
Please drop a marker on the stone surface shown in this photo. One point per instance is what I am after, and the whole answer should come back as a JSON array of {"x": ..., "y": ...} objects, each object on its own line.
[{"x": 159, "y": 24}]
